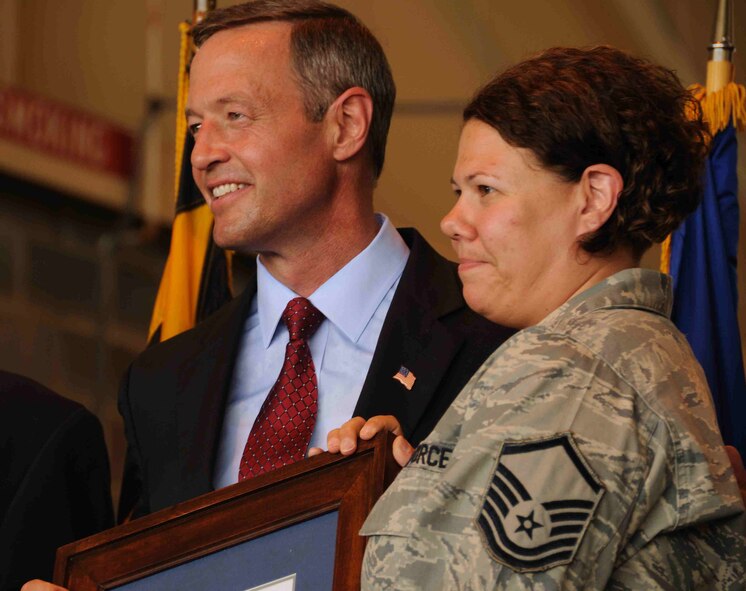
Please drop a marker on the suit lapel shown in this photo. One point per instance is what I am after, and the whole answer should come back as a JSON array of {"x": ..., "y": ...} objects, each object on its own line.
[
  {"x": 414, "y": 337},
  {"x": 201, "y": 404}
]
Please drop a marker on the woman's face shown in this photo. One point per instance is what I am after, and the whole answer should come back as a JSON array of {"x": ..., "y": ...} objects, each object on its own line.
[{"x": 514, "y": 228}]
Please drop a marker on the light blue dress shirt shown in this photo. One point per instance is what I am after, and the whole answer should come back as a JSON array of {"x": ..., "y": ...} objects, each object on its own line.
[{"x": 355, "y": 302}]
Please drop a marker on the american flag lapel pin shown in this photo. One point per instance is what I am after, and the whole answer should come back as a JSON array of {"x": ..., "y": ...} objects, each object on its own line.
[{"x": 406, "y": 377}]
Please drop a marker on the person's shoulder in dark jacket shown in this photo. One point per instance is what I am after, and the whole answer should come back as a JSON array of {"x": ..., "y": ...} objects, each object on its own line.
[{"x": 55, "y": 485}]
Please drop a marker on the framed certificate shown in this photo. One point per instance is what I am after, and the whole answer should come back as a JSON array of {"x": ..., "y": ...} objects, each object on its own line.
[{"x": 295, "y": 529}]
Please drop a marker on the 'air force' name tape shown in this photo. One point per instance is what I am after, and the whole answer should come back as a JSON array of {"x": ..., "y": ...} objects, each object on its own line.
[{"x": 434, "y": 456}]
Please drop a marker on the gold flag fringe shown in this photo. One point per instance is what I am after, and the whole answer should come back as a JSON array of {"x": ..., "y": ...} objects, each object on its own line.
[
  {"x": 665, "y": 266},
  {"x": 725, "y": 107}
]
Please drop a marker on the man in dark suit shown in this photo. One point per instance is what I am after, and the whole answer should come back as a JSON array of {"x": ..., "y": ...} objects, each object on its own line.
[
  {"x": 289, "y": 105},
  {"x": 54, "y": 484}
]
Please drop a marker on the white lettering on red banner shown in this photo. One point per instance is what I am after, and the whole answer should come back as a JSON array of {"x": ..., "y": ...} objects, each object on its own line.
[{"x": 64, "y": 132}]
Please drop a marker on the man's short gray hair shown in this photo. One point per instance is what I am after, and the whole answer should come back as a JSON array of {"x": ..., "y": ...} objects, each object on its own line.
[{"x": 331, "y": 51}]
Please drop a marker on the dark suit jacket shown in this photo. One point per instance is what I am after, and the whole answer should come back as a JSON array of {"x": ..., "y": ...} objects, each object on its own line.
[
  {"x": 173, "y": 397},
  {"x": 54, "y": 478}
]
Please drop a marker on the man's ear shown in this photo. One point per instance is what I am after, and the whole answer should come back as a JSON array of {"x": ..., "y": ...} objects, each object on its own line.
[
  {"x": 600, "y": 187},
  {"x": 349, "y": 116}
]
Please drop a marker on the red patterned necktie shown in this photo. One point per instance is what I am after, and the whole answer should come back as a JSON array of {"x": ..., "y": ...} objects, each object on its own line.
[{"x": 283, "y": 428}]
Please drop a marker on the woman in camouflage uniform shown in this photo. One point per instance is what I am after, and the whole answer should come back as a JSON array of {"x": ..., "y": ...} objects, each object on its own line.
[{"x": 585, "y": 453}]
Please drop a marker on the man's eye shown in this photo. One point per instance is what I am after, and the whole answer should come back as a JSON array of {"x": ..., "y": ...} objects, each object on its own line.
[
  {"x": 233, "y": 116},
  {"x": 194, "y": 128},
  {"x": 457, "y": 192},
  {"x": 484, "y": 189}
]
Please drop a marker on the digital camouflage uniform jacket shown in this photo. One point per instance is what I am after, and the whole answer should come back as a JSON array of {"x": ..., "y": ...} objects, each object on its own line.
[{"x": 584, "y": 454}]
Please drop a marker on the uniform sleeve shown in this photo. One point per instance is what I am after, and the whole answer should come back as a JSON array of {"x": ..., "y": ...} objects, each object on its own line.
[
  {"x": 576, "y": 464},
  {"x": 712, "y": 556},
  {"x": 571, "y": 465},
  {"x": 550, "y": 473}
]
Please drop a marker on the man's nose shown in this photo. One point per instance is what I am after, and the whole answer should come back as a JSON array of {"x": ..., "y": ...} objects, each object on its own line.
[{"x": 209, "y": 148}]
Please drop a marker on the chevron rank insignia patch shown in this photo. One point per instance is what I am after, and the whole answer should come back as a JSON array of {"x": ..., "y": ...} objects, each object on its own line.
[{"x": 539, "y": 503}]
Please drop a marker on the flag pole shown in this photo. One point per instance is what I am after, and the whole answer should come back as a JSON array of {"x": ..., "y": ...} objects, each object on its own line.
[
  {"x": 201, "y": 8},
  {"x": 720, "y": 65}
]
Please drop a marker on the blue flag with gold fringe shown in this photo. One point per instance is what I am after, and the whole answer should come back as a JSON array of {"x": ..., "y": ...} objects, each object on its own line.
[{"x": 703, "y": 266}]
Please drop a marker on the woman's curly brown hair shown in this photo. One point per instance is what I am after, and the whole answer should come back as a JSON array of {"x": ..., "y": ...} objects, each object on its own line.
[{"x": 577, "y": 107}]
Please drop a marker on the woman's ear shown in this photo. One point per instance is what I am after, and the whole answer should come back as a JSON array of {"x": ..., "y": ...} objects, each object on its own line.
[
  {"x": 350, "y": 115},
  {"x": 600, "y": 187}
]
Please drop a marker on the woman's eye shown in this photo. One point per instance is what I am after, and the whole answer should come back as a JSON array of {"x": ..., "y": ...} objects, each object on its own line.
[
  {"x": 457, "y": 192},
  {"x": 194, "y": 128},
  {"x": 484, "y": 189}
]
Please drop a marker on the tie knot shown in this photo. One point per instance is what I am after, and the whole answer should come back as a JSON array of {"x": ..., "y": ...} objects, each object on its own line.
[{"x": 301, "y": 318}]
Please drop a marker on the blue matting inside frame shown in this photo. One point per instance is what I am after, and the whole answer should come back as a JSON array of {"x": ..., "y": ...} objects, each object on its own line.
[{"x": 306, "y": 548}]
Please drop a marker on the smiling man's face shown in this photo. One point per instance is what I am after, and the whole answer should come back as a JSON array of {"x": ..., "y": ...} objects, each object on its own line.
[{"x": 264, "y": 168}]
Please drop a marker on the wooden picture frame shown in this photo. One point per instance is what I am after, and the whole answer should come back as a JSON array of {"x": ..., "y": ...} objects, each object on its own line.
[{"x": 201, "y": 527}]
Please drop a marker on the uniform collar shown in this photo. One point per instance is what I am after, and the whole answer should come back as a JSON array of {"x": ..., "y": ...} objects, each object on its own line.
[{"x": 642, "y": 289}]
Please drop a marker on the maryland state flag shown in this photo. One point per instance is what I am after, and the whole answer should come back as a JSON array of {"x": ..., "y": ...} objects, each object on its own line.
[
  {"x": 196, "y": 279},
  {"x": 703, "y": 266}
]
